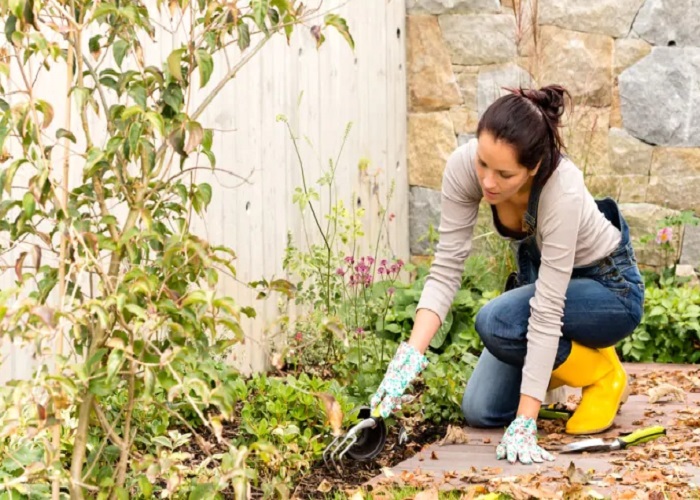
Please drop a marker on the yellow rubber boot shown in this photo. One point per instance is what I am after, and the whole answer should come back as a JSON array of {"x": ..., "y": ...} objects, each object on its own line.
[{"x": 603, "y": 381}]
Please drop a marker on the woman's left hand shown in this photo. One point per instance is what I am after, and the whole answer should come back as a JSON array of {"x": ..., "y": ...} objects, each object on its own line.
[{"x": 520, "y": 443}]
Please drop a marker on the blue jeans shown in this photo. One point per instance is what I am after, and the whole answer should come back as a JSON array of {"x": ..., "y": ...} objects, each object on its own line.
[{"x": 604, "y": 304}]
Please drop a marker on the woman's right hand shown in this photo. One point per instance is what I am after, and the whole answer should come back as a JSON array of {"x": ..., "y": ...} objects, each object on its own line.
[{"x": 406, "y": 365}]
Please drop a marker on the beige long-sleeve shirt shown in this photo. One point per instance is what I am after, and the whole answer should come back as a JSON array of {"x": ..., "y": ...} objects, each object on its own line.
[{"x": 571, "y": 232}]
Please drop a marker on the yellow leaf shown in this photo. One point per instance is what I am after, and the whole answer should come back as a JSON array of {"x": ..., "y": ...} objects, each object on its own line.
[
  {"x": 324, "y": 487},
  {"x": 333, "y": 412}
]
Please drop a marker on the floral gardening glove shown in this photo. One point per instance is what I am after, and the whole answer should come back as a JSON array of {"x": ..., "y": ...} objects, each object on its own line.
[
  {"x": 520, "y": 442},
  {"x": 407, "y": 363}
]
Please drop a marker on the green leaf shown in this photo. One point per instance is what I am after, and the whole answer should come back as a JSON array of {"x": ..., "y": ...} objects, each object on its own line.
[
  {"x": 9, "y": 174},
  {"x": 47, "y": 112},
  {"x": 138, "y": 94},
  {"x": 206, "y": 491},
  {"x": 104, "y": 9},
  {"x": 157, "y": 122},
  {"x": 208, "y": 138},
  {"x": 341, "y": 25},
  {"x": 10, "y": 27},
  {"x": 119, "y": 49},
  {"x": 205, "y": 64},
  {"x": 114, "y": 362},
  {"x": 260, "y": 8},
  {"x": 173, "y": 96},
  {"x": 243, "y": 36},
  {"x": 94, "y": 44},
  {"x": 61, "y": 133},
  {"x": 439, "y": 338},
  {"x": 174, "y": 61},
  {"x": 28, "y": 205},
  {"x": 204, "y": 191}
]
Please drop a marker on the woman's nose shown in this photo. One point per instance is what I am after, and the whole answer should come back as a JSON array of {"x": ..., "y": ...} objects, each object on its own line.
[{"x": 489, "y": 182}]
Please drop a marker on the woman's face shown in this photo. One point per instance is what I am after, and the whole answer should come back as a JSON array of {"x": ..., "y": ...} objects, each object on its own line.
[{"x": 500, "y": 175}]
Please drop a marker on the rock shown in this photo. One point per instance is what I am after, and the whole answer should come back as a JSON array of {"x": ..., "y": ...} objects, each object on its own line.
[
  {"x": 491, "y": 83},
  {"x": 690, "y": 253},
  {"x": 462, "y": 139},
  {"x": 623, "y": 188},
  {"x": 628, "y": 156},
  {"x": 431, "y": 141},
  {"x": 687, "y": 271},
  {"x": 669, "y": 22},
  {"x": 467, "y": 77},
  {"x": 627, "y": 52},
  {"x": 675, "y": 178},
  {"x": 684, "y": 162},
  {"x": 615, "y": 111},
  {"x": 607, "y": 17},
  {"x": 676, "y": 192},
  {"x": 464, "y": 120},
  {"x": 424, "y": 211},
  {"x": 479, "y": 39},
  {"x": 585, "y": 135},
  {"x": 452, "y": 6},
  {"x": 643, "y": 219},
  {"x": 431, "y": 83},
  {"x": 581, "y": 62},
  {"x": 659, "y": 95}
]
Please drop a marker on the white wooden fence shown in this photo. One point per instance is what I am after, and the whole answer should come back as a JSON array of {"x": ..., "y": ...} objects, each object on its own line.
[{"x": 366, "y": 87}]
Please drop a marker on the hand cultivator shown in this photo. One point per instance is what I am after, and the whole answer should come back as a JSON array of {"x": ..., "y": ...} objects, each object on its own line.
[{"x": 364, "y": 441}]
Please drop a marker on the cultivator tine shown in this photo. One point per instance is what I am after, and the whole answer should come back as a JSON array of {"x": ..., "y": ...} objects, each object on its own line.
[{"x": 341, "y": 444}]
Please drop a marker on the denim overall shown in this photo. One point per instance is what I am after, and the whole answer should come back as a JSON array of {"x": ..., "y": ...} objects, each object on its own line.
[{"x": 604, "y": 304}]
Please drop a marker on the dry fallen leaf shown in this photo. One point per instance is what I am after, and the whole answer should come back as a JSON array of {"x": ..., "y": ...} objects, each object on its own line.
[
  {"x": 357, "y": 496},
  {"x": 325, "y": 486},
  {"x": 333, "y": 412},
  {"x": 455, "y": 435},
  {"x": 576, "y": 475},
  {"x": 674, "y": 393},
  {"x": 431, "y": 494}
]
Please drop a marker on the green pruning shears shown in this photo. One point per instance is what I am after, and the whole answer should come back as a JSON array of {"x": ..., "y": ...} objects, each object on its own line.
[{"x": 597, "y": 444}]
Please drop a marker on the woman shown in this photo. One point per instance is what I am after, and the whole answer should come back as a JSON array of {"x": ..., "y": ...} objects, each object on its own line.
[{"x": 577, "y": 291}]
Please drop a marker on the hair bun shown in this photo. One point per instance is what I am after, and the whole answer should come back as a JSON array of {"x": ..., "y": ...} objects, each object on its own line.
[{"x": 550, "y": 99}]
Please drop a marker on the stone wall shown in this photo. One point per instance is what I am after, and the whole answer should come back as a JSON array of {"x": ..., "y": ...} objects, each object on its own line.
[{"x": 632, "y": 67}]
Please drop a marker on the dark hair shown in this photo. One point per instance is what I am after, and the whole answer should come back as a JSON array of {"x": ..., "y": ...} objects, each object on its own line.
[{"x": 528, "y": 120}]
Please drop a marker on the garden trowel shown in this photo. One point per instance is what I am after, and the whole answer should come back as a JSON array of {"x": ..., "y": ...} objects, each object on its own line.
[{"x": 598, "y": 444}]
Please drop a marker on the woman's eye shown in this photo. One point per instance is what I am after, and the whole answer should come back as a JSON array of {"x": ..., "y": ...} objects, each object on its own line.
[{"x": 506, "y": 176}]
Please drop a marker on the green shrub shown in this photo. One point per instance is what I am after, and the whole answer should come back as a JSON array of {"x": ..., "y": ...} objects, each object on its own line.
[{"x": 670, "y": 328}]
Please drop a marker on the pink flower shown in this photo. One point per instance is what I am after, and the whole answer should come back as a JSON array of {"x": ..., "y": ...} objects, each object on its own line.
[
  {"x": 392, "y": 215},
  {"x": 340, "y": 272},
  {"x": 349, "y": 259},
  {"x": 359, "y": 330},
  {"x": 298, "y": 337},
  {"x": 391, "y": 291},
  {"x": 665, "y": 235}
]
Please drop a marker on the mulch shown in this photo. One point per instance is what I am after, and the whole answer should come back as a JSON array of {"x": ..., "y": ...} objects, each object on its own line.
[{"x": 666, "y": 468}]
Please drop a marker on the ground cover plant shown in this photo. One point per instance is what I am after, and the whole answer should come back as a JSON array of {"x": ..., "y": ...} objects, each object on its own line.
[{"x": 114, "y": 290}]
